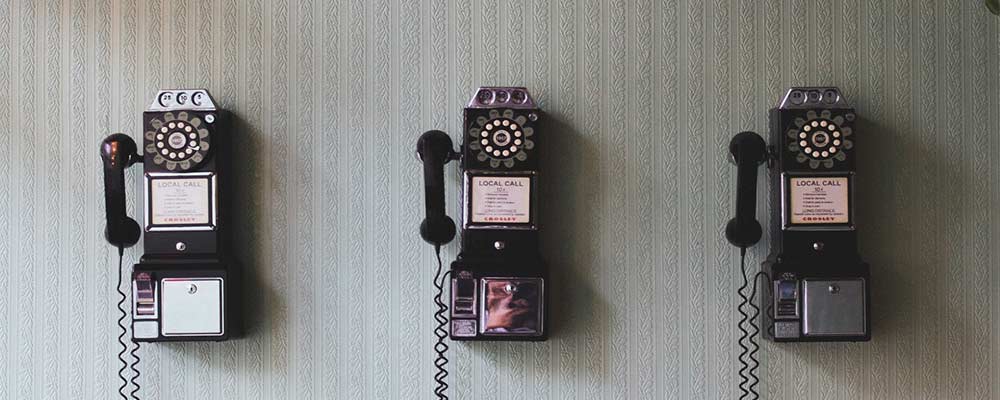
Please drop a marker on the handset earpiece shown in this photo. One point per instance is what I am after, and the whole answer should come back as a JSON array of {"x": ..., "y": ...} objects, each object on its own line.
[
  {"x": 434, "y": 148},
  {"x": 749, "y": 151},
  {"x": 118, "y": 152}
]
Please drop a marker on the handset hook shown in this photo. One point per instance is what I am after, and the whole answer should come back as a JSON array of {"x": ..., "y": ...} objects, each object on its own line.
[
  {"x": 748, "y": 151},
  {"x": 118, "y": 152}
]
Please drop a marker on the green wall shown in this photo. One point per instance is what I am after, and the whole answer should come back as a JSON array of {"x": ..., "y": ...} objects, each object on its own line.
[{"x": 333, "y": 95}]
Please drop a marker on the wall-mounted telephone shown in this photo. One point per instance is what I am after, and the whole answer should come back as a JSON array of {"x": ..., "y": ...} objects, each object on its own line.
[
  {"x": 498, "y": 280},
  {"x": 185, "y": 287},
  {"x": 818, "y": 285}
]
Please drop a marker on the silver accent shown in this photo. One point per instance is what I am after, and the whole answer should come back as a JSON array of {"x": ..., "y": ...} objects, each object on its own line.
[
  {"x": 834, "y": 307},
  {"x": 463, "y": 328},
  {"x": 145, "y": 329},
  {"x": 145, "y": 298},
  {"x": 786, "y": 330},
  {"x": 494, "y": 100},
  {"x": 213, "y": 182},
  {"x": 182, "y": 99},
  {"x": 499, "y": 245},
  {"x": 818, "y": 246},
  {"x": 210, "y": 118},
  {"x": 192, "y": 289},
  {"x": 463, "y": 306},
  {"x": 813, "y": 97},
  {"x": 181, "y": 246},
  {"x": 776, "y": 290}
]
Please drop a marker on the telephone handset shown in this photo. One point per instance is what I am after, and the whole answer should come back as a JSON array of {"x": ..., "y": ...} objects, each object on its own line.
[
  {"x": 118, "y": 152},
  {"x": 434, "y": 148},
  {"x": 185, "y": 286},
  {"x": 498, "y": 280},
  {"x": 818, "y": 285},
  {"x": 748, "y": 151}
]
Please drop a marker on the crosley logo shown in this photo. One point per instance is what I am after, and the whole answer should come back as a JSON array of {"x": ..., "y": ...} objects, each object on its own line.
[
  {"x": 501, "y": 219},
  {"x": 818, "y": 219},
  {"x": 179, "y": 220}
]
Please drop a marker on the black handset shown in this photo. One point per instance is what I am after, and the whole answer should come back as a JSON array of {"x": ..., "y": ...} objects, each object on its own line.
[
  {"x": 185, "y": 286},
  {"x": 498, "y": 280},
  {"x": 434, "y": 148},
  {"x": 818, "y": 287},
  {"x": 118, "y": 152},
  {"x": 748, "y": 151}
]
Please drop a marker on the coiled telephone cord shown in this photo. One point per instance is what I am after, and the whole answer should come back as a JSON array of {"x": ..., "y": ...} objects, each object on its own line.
[
  {"x": 440, "y": 331},
  {"x": 126, "y": 366},
  {"x": 748, "y": 338}
]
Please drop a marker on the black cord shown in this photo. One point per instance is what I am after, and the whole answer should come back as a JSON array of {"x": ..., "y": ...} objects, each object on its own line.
[
  {"x": 748, "y": 338},
  {"x": 123, "y": 298},
  {"x": 440, "y": 331},
  {"x": 745, "y": 336}
]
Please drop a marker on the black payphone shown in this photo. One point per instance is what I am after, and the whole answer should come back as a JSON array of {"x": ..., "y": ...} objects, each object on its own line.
[
  {"x": 498, "y": 280},
  {"x": 817, "y": 284},
  {"x": 186, "y": 285}
]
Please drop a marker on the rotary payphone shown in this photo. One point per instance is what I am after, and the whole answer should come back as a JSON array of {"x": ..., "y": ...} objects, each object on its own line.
[
  {"x": 186, "y": 285},
  {"x": 498, "y": 280},
  {"x": 817, "y": 284}
]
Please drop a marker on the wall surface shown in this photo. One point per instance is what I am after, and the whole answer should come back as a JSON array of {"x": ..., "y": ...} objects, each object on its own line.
[{"x": 332, "y": 96}]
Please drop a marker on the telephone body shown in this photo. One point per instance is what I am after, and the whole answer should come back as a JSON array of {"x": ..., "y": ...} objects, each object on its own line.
[
  {"x": 497, "y": 282},
  {"x": 186, "y": 285},
  {"x": 820, "y": 286}
]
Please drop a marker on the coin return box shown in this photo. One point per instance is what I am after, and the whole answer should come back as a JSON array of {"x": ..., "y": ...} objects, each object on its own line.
[
  {"x": 191, "y": 307},
  {"x": 834, "y": 307}
]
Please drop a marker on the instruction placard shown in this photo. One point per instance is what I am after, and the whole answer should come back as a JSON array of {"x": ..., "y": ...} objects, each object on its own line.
[
  {"x": 180, "y": 201},
  {"x": 501, "y": 199},
  {"x": 820, "y": 200}
]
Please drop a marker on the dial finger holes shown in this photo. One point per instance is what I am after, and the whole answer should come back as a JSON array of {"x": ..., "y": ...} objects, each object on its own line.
[{"x": 807, "y": 128}]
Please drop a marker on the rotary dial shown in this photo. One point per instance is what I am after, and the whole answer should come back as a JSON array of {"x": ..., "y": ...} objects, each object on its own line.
[
  {"x": 820, "y": 139},
  {"x": 178, "y": 142},
  {"x": 502, "y": 138}
]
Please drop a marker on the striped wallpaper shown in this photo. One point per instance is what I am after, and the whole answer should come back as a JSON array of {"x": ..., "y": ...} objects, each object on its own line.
[{"x": 331, "y": 96}]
